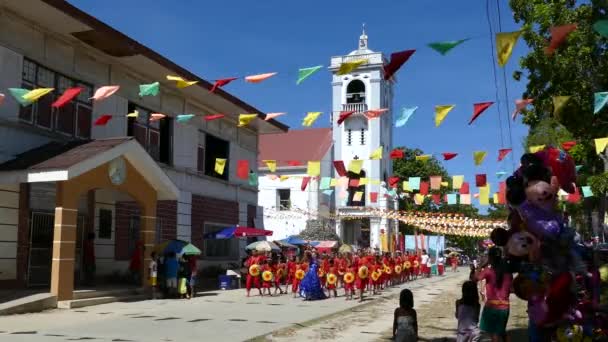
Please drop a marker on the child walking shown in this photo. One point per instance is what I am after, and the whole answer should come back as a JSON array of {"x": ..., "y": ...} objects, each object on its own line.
[
  {"x": 349, "y": 280},
  {"x": 153, "y": 271},
  {"x": 467, "y": 313},
  {"x": 405, "y": 323}
]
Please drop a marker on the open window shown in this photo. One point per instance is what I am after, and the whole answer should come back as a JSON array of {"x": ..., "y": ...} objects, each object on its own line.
[
  {"x": 284, "y": 199},
  {"x": 216, "y": 148},
  {"x": 154, "y": 136},
  {"x": 355, "y": 92}
]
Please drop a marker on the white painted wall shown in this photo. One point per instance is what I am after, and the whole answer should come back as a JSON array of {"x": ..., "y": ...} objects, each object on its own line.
[{"x": 9, "y": 219}]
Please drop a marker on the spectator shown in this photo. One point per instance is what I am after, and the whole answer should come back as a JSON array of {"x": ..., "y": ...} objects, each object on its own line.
[{"x": 171, "y": 269}]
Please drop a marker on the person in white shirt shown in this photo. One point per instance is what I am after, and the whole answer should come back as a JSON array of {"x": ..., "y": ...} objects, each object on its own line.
[{"x": 424, "y": 264}]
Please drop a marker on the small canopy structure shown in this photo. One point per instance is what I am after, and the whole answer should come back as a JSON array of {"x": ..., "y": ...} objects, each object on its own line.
[
  {"x": 263, "y": 246},
  {"x": 324, "y": 246},
  {"x": 238, "y": 232},
  {"x": 294, "y": 240},
  {"x": 283, "y": 244}
]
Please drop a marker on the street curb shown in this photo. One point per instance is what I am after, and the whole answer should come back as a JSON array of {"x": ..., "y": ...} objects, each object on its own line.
[{"x": 310, "y": 322}]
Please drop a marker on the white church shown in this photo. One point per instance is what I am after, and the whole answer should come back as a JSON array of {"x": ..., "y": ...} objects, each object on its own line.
[{"x": 287, "y": 207}]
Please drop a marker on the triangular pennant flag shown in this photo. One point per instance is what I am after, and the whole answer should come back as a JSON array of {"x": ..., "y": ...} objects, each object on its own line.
[
  {"x": 157, "y": 116},
  {"x": 271, "y": 165},
  {"x": 102, "y": 120},
  {"x": 578, "y": 167},
  {"x": 465, "y": 188},
  {"x": 435, "y": 182},
  {"x": 314, "y": 168},
  {"x": 220, "y": 164},
  {"x": 534, "y": 149},
  {"x": 67, "y": 96},
  {"x": 304, "y": 184},
  {"x": 310, "y": 118},
  {"x": 340, "y": 170},
  {"x": 304, "y": 73},
  {"x": 221, "y": 82},
  {"x": 558, "y": 36},
  {"x": 355, "y": 166},
  {"x": 457, "y": 182},
  {"x": 259, "y": 78},
  {"x": 520, "y": 104},
  {"x": 344, "y": 116},
  {"x": 406, "y": 113},
  {"x": 478, "y": 157},
  {"x": 105, "y": 92},
  {"x": 180, "y": 81},
  {"x": 242, "y": 169},
  {"x": 480, "y": 180},
  {"x": 444, "y": 47},
  {"x": 423, "y": 158},
  {"x": 373, "y": 197},
  {"x": 18, "y": 93},
  {"x": 558, "y": 104},
  {"x": 397, "y": 154},
  {"x": 294, "y": 163},
  {"x": 393, "y": 182},
  {"x": 376, "y": 154},
  {"x": 253, "y": 179},
  {"x": 418, "y": 199},
  {"x": 270, "y": 116},
  {"x": 151, "y": 89},
  {"x": 283, "y": 178},
  {"x": 600, "y": 144},
  {"x": 213, "y": 117},
  {"x": 503, "y": 152},
  {"x": 449, "y": 155},
  {"x": 397, "y": 60},
  {"x": 34, "y": 95},
  {"x": 185, "y": 118},
  {"x": 441, "y": 112},
  {"x": 505, "y": 41},
  {"x": 601, "y": 27},
  {"x": 348, "y": 67},
  {"x": 600, "y": 99},
  {"x": 245, "y": 119},
  {"x": 568, "y": 145},
  {"x": 479, "y": 108},
  {"x": 500, "y": 174},
  {"x": 375, "y": 113}
]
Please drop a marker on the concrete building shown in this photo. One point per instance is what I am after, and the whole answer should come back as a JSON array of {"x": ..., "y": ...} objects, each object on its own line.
[{"x": 130, "y": 180}]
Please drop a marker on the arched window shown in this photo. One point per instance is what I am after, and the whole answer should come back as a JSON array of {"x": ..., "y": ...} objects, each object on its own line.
[{"x": 355, "y": 92}]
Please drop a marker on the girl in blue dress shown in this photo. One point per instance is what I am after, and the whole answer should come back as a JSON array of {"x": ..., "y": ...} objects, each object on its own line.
[{"x": 311, "y": 286}]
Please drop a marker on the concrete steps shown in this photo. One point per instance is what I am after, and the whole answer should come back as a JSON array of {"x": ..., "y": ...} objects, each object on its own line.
[{"x": 84, "y": 298}]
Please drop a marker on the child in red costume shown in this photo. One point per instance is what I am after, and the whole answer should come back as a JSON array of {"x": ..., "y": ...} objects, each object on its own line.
[
  {"x": 291, "y": 272},
  {"x": 349, "y": 285},
  {"x": 252, "y": 280},
  {"x": 279, "y": 276},
  {"x": 332, "y": 279},
  {"x": 267, "y": 268}
]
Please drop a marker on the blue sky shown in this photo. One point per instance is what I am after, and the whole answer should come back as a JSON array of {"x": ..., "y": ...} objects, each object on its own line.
[{"x": 217, "y": 39}]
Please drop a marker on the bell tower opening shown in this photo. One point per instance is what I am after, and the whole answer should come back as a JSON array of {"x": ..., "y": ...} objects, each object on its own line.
[{"x": 355, "y": 92}]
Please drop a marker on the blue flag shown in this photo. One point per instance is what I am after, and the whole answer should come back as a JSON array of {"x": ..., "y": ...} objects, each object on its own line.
[{"x": 406, "y": 113}]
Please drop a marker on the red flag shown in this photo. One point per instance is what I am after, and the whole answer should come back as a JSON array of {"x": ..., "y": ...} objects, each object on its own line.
[
  {"x": 449, "y": 155},
  {"x": 397, "y": 154},
  {"x": 67, "y": 96},
  {"x": 344, "y": 116},
  {"x": 393, "y": 182},
  {"x": 479, "y": 108},
  {"x": 465, "y": 189},
  {"x": 568, "y": 145},
  {"x": 103, "y": 120},
  {"x": 502, "y": 193},
  {"x": 558, "y": 37},
  {"x": 575, "y": 197},
  {"x": 294, "y": 163},
  {"x": 375, "y": 113},
  {"x": 373, "y": 197},
  {"x": 502, "y": 153},
  {"x": 437, "y": 198},
  {"x": 353, "y": 183},
  {"x": 424, "y": 188},
  {"x": 213, "y": 117},
  {"x": 397, "y": 60},
  {"x": 305, "y": 181},
  {"x": 340, "y": 169},
  {"x": 481, "y": 180},
  {"x": 221, "y": 82},
  {"x": 242, "y": 169}
]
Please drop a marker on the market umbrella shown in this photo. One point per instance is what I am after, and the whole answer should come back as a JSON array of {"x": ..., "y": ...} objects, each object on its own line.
[
  {"x": 345, "y": 249},
  {"x": 263, "y": 246},
  {"x": 283, "y": 244},
  {"x": 294, "y": 240},
  {"x": 177, "y": 246}
]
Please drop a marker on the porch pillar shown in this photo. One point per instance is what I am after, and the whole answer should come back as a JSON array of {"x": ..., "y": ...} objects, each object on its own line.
[
  {"x": 148, "y": 236},
  {"x": 64, "y": 243}
]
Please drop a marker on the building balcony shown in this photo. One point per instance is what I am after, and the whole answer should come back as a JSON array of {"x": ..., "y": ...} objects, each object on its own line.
[{"x": 359, "y": 108}]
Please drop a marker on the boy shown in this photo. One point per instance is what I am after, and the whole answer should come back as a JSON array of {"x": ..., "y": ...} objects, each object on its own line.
[{"x": 153, "y": 271}]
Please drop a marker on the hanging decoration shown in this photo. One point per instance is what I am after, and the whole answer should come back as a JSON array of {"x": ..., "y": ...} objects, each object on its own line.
[
  {"x": 558, "y": 104},
  {"x": 479, "y": 108},
  {"x": 479, "y": 156},
  {"x": 348, "y": 67},
  {"x": 67, "y": 96},
  {"x": 181, "y": 82},
  {"x": 18, "y": 93},
  {"x": 397, "y": 60},
  {"x": 600, "y": 99},
  {"x": 103, "y": 120},
  {"x": 441, "y": 112},
  {"x": 221, "y": 83},
  {"x": 503, "y": 152},
  {"x": 558, "y": 37},
  {"x": 406, "y": 113},
  {"x": 444, "y": 47},
  {"x": 344, "y": 115},
  {"x": 305, "y": 73},
  {"x": 520, "y": 104},
  {"x": 505, "y": 42},
  {"x": 245, "y": 119},
  {"x": 270, "y": 116},
  {"x": 449, "y": 155},
  {"x": 34, "y": 95},
  {"x": 259, "y": 78},
  {"x": 151, "y": 89},
  {"x": 310, "y": 118}
]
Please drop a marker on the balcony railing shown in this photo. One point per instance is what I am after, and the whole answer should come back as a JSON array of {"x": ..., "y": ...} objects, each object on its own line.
[{"x": 359, "y": 108}]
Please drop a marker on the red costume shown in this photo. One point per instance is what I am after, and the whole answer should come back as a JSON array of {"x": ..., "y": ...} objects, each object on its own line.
[
  {"x": 291, "y": 271},
  {"x": 351, "y": 286},
  {"x": 332, "y": 271},
  {"x": 251, "y": 280},
  {"x": 267, "y": 284}
]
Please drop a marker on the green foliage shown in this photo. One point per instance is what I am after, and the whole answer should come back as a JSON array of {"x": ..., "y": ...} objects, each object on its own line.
[
  {"x": 599, "y": 183},
  {"x": 319, "y": 230},
  {"x": 410, "y": 167},
  {"x": 548, "y": 132},
  {"x": 498, "y": 212},
  {"x": 466, "y": 243}
]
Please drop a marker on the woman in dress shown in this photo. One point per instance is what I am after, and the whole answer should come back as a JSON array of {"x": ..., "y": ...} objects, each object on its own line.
[{"x": 311, "y": 286}]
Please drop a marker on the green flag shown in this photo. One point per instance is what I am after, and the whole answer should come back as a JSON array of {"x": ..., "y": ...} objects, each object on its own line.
[
  {"x": 601, "y": 27},
  {"x": 304, "y": 73},
  {"x": 444, "y": 47},
  {"x": 184, "y": 117},
  {"x": 151, "y": 89},
  {"x": 18, "y": 93},
  {"x": 253, "y": 179}
]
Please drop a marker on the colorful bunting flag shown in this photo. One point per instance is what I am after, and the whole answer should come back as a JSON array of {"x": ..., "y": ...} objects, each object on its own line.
[
  {"x": 575, "y": 197},
  {"x": 444, "y": 47},
  {"x": 310, "y": 118},
  {"x": 479, "y": 108},
  {"x": 414, "y": 183},
  {"x": 157, "y": 117},
  {"x": 259, "y": 78},
  {"x": 283, "y": 178},
  {"x": 133, "y": 114},
  {"x": 587, "y": 191},
  {"x": 270, "y": 116},
  {"x": 558, "y": 37},
  {"x": 437, "y": 199},
  {"x": 449, "y": 155},
  {"x": 325, "y": 183},
  {"x": 600, "y": 144},
  {"x": 502, "y": 193},
  {"x": 348, "y": 67},
  {"x": 304, "y": 73},
  {"x": 465, "y": 199},
  {"x": 397, "y": 154},
  {"x": 242, "y": 169},
  {"x": 34, "y": 95},
  {"x": 181, "y": 82},
  {"x": 344, "y": 116},
  {"x": 495, "y": 198},
  {"x": 18, "y": 93},
  {"x": 505, "y": 41},
  {"x": 478, "y": 157},
  {"x": 397, "y": 60},
  {"x": 418, "y": 199},
  {"x": 305, "y": 181},
  {"x": 104, "y": 92},
  {"x": 600, "y": 101},
  {"x": 358, "y": 196},
  {"x": 520, "y": 104},
  {"x": 363, "y": 181},
  {"x": 558, "y": 104},
  {"x": 435, "y": 182},
  {"x": 185, "y": 118},
  {"x": 339, "y": 166},
  {"x": 465, "y": 188},
  {"x": 67, "y": 96},
  {"x": 534, "y": 149},
  {"x": 353, "y": 183},
  {"x": 294, "y": 163},
  {"x": 314, "y": 168},
  {"x": 376, "y": 154},
  {"x": 601, "y": 27},
  {"x": 221, "y": 83},
  {"x": 503, "y": 152},
  {"x": 151, "y": 89},
  {"x": 271, "y": 165},
  {"x": 375, "y": 113},
  {"x": 245, "y": 119},
  {"x": 373, "y": 197},
  {"x": 406, "y": 113},
  {"x": 445, "y": 184},
  {"x": 253, "y": 179},
  {"x": 213, "y": 117},
  {"x": 406, "y": 186},
  {"x": 103, "y": 120},
  {"x": 355, "y": 166},
  {"x": 1, "y": 98},
  {"x": 452, "y": 199},
  {"x": 480, "y": 180},
  {"x": 457, "y": 182},
  {"x": 333, "y": 182},
  {"x": 484, "y": 195},
  {"x": 393, "y": 182},
  {"x": 220, "y": 164},
  {"x": 500, "y": 174},
  {"x": 423, "y": 158},
  {"x": 424, "y": 188},
  {"x": 578, "y": 167},
  {"x": 441, "y": 112}
]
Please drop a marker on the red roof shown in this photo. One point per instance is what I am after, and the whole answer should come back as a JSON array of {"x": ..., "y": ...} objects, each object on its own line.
[{"x": 295, "y": 145}]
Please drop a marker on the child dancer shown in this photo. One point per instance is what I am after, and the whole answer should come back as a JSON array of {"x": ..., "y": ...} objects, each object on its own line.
[
  {"x": 291, "y": 272},
  {"x": 332, "y": 279},
  {"x": 279, "y": 275},
  {"x": 253, "y": 275},
  {"x": 267, "y": 276},
  {"x": 362, "y": 275},
  {"x": 349, "y": 280},
  {"x": 297, "y": 278}
]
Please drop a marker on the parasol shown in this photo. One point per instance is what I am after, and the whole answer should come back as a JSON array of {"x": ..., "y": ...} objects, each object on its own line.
[
  {"x": 345, "y": 249},
  {"x": 263, "y": 246},
  {"x": 178, "y": 247}
]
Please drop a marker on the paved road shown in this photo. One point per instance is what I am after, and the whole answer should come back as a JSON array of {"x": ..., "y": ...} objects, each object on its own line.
[{"x": 215, "y": 316}]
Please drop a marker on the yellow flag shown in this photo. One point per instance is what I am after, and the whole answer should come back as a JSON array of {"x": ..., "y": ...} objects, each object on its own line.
[
  {"x": 358, "y": 196},
  {"x": 220, "y": 164},
  {"x": 534, "y": 149},
  {"x": 347, "y": 67},
  {"x": 271, "y": 164},
  {"x": 36, "y": 94},
  {"x": 333, "y": 182},
  {"x": 441, "y": 112},
  {"x": 457, "y": 182},
  {"x": 314, "y": 168},
  {"x": 479, "y": 156},
  {"x": 310, "y": 118},
  {"x": 558, "y": 104},
  {"x": 495, "y": 198},
  {"x": 355, "y": 166},
  {"x": 245, "y": 119},
  {"x": 505, "y": 41},
  {"x": 363, "y": 181},
  {"x": 133, "y": 115},
  {"x": 419, "y": 199},
  {"x": 376, "y": 182},
  {"x": 180, "y": 81},
  {"x": 484, "y": 195},
  {"x": 600, "y": 144},
  {"x": 406, "y": 186},
  {"x": 284, "y": 178},
  {"x": 445, "y": 184},
  {"x": 423, "y": 158},
  {"x": 376, "y": 154}
]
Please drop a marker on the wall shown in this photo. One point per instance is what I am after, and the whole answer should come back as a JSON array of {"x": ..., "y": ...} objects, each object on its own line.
[{"x": 9, "y": 219}]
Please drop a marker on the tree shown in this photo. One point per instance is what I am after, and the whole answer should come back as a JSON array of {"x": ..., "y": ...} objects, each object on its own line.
[
  {"x": 319, "y": 230},
  {"x": 498, "y": 212}
]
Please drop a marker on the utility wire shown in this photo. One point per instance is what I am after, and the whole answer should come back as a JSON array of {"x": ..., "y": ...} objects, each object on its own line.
[{"x": 502, "y": 142}]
